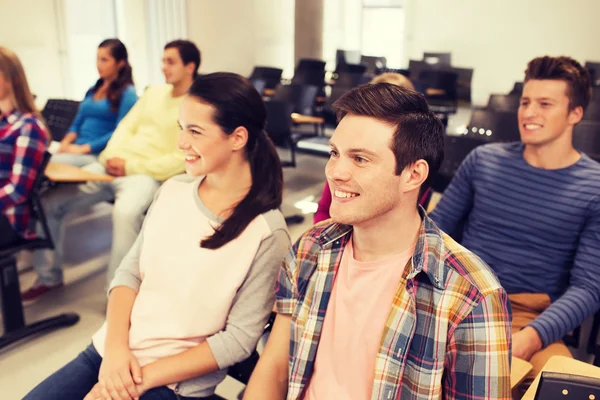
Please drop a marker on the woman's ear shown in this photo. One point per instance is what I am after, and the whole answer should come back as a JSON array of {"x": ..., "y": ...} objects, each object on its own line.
[{"x": 238, "y": 138}]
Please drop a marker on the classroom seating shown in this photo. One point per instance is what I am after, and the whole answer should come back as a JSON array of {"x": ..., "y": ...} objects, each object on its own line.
[
  {"x": 493, "y": 126},
  {"x": 437, "y": 58},
  {"x": 13, "y": 320},
  {"x": 59, "y": 114},
  {"x": 503, "y": 102},
  {"x": 270, "y": 75}
]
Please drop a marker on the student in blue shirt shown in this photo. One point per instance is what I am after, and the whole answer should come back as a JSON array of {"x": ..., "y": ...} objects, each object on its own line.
[{"x": 104, "y": 105}]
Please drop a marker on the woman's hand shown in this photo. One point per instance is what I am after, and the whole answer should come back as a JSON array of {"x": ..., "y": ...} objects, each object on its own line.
[{"x": 120, "y": 374}]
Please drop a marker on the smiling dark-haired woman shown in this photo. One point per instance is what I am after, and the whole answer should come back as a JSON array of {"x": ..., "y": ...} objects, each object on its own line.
[{"x": 194, "y": 293}]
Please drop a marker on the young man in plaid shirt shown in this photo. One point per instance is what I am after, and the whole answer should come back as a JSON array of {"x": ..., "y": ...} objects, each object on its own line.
[{"x": 379, "y": 303}]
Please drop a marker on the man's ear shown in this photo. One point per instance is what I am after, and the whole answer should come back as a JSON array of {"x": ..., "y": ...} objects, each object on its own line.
[
  {"x": 575, "y": 115},
  {"x": 415, "y": 174}
]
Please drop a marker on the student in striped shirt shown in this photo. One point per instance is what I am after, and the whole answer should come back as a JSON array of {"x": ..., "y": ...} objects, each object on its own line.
[
  {"x": 23, "y": 141},
  {"x": 532, "y": 212},
  {"x": 379, "y": 303}
]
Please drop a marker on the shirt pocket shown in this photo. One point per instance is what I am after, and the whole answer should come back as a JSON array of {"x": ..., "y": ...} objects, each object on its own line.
[{"x": 423, "y": 370}]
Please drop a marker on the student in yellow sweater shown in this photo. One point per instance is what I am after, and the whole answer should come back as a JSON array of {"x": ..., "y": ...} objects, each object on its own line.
[{"x": 140, "y": 155}]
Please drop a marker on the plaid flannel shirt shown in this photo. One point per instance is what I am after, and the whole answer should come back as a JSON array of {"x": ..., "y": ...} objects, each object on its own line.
[
  {"x": 23, "y": 141},
  {"x": 448, "y": 334}
]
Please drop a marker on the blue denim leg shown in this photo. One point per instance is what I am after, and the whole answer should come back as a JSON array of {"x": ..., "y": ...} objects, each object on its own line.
[{"x": 71, "y": 382}]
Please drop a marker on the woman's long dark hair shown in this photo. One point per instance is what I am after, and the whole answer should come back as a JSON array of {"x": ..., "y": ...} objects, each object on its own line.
[
  {"x": 236, "y": 104},
  {"x": 125, "y": 77}
]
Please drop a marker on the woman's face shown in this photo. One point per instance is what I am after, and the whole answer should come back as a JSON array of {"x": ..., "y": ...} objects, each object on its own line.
[
  {"x": 108, "y": 67},
  {"x": 206, "y": 147}
]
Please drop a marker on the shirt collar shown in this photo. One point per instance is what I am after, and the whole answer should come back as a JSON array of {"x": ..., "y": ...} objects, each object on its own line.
[
  {"x": 429, "y": 250},
  {"x": 12, "y": 117}
]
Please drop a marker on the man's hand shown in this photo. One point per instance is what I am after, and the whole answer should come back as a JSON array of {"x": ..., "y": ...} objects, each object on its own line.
[
  {"x": 526, "y": 343},
  {"x": 115, "y": 166}
]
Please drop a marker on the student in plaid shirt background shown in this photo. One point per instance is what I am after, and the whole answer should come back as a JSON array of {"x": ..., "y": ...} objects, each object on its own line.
[
  {"x": 379, "y": 303},
  {"x": 23, "y": 140}
]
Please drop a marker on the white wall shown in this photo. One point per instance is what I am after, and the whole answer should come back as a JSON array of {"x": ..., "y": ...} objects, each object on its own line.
[
  {"x": 236, "y": 35},
  {"x": 29, "y": 28},
  {"x": 498, "y": 37},
  {"x": 131, "y": 29},
  {"x": 86, "y": 24}
]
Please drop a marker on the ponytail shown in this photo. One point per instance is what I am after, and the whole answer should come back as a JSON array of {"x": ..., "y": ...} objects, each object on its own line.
[{"x": 236, "y": 104}]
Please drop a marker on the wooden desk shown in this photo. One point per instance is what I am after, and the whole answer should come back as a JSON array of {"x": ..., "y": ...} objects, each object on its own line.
[
  {"x": 65, "y": 173},
  {"x": 519, "y": 370},
  {"x": 566, "y": 365},
  {"x": 306, "y": 119}
]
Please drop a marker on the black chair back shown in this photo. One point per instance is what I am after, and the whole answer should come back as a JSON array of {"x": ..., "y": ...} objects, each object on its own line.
[
  {"x": 456, "y": 148},
  {"x": 59, "y": 114},
  {"x": 350, "y": 79},
  {"x": 494, "y": 126},
  {"x": 346, "y": 57},
  {"x": 596, "y": 92},
  {"x": 592, "y": 111},
  {"x": 593, "y": 347},
  {"x": 309, "y": 77},
  {"x": 279, "y": 128},
  {"x": 302, "y": 97},
  {"x": 517, "y": 89},
  {"x": 586, "y": 138},
  {"x": 559, "y": 386},
  {"x": 594, "y": 70},
  {"x": 373, "y": 63},
  {"x": 310, "y": 64},
  {"x": 437, "y": 58},
  {"x": 270, "y": 75},
  {"x": 503, "y": 102},
  {"x": 463, "y": 83},
  {"x": 439, "y": 79},
  {"x": 259, "y": 84}
]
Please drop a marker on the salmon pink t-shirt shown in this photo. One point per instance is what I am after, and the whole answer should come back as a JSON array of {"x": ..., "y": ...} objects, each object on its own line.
[{"x": 358, "y": 309}]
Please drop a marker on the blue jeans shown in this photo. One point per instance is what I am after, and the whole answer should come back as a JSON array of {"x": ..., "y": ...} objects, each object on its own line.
[{"x": 75, "y": 380}]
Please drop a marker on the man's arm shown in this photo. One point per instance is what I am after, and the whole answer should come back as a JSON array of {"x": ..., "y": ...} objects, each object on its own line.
[
  {"x": 269, "y": 380},
  {"x": 477, "y": 364},
  {"x": 457, "y": 199},
  {"x": 582, "y": 297}
]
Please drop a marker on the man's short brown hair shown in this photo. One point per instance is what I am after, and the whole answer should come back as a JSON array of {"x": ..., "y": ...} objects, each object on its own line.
[
  {"x": 419, "y": 133},
  {"x": 579, "y": 83}
]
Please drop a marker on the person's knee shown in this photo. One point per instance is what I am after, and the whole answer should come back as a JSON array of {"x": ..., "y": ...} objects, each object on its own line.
[{"x": 128, "y": 214}]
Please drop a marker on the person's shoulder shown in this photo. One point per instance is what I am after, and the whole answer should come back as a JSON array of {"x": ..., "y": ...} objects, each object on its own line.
[
  {"x": 275, "y": 221},
  {"x": 590, "y": 166},
  {"x": 178, "y": 181},
  {"x": 158, "y": 91},
  {"x": 130, "y": 90},
  {"x": 510, "y": 149},
  {"x": 471, "y": 272}
]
